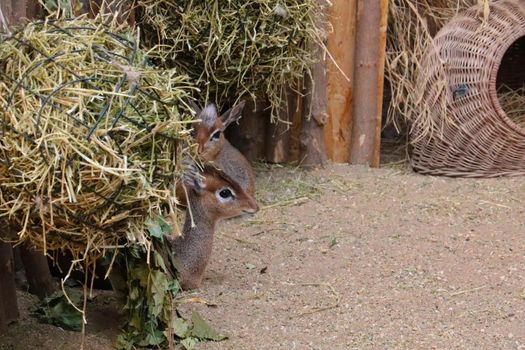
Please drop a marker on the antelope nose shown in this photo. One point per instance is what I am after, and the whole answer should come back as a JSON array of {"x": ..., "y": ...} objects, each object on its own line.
[{"x": 254, "y": 208}]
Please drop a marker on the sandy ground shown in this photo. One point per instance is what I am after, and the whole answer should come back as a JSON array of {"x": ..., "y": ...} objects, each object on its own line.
[{"x": 353, "y": 258}]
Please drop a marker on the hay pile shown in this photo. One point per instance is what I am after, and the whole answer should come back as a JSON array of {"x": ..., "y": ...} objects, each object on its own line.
[
  {"x": 91, "y": 136},
  {"x": 513, "y": 103},
  {"x": 412, "y": 24},
  {"x": 231, "y": 48}
]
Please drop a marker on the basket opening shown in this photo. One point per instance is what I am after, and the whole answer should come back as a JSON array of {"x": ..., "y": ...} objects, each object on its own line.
[{"x": 510, "y": 83}]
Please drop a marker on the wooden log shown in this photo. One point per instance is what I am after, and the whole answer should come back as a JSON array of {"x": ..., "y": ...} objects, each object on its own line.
[
  {"x": 248, "y": 135},
  {"x": 8, "y": 307},
  {"x": 278, "y": 133},
  {"x": 296, "y": 110},
  {"x": 13, "y": 11},
  {"x": 6, "y": 15},
  {"x": 341, "y": 43},
  {"x": 3, "y": 318},
  {"x": 313, "y": 150},
  {"x": 38, "y": 275},
  {"x": 368, "y": 81}
]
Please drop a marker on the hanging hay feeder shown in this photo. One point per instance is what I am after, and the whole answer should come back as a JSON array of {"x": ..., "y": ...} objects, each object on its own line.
[
  {"x": 470, "y": 133},
  {"x": 235, "y": 48},
  {"x": 91, "y": 136}
]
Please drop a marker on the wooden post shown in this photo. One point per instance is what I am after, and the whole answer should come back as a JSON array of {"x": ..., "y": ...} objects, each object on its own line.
[
  {"x": 368, "y": 81},
  {"x": 341, "y": 44},
  {"x": 15, "y": 10},
  {"x": 38, "y": 275},
  {"x": 296, "y": 109},
  {"x": 8, "y": 304},
  {"x": 279, "y": 133},
  {"x": 313, "y": 150}
]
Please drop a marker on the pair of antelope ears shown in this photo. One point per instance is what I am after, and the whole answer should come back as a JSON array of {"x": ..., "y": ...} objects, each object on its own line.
[{"x": 209, "y": 114}]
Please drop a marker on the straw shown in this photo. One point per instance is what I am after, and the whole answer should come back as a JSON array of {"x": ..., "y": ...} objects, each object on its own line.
[
  {"x": 234, "y": 48},
  {"x": 91, "y": 135}
]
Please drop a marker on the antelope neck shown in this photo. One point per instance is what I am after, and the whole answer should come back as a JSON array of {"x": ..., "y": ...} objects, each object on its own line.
[{"x": 201, "y": 217}]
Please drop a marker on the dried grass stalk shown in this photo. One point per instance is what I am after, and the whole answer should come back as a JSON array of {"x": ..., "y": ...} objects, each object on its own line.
[
  {"x": 513, "y": 103},
  {"x": 412, "y": 25},
  {"x": 232, "y": 48},
  {"x": 91, "y": 135}
]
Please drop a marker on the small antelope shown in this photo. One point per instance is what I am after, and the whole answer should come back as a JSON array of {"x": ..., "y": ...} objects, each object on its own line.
[
  {"x": 212, "y": 196},
  {"x": 213, "y": 146}
]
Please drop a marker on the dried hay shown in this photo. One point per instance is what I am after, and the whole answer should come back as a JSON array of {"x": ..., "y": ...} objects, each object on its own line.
[
  {"x": 92, "y": 136},
  {"x": 232, "y": 48},
  {"x": 412, "y": 24},
  {"x": 513, "y": 103}
]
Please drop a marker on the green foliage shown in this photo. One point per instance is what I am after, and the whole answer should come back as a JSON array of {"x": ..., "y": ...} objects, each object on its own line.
[
  {"x": 202, "y": 330},
  {"x": 152, "y": 288},
  {"x": 57, "y": 310},
  {"x": 66, "y": 8}
]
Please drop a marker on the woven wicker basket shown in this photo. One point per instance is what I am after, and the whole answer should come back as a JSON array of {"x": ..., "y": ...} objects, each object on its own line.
[{"x": 467, "y": 133}]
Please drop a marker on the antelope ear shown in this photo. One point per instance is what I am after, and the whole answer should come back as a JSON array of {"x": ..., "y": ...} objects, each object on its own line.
[
  {"x": 193, "y": 105},
  {"x": 209, "y": 115},
  {"x": 192, "y": 177},
  {"x": 233, "y": 114}
]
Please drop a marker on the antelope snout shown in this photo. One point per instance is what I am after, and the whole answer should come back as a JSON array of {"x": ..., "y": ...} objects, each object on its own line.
[{"x": 254, "y": 208}]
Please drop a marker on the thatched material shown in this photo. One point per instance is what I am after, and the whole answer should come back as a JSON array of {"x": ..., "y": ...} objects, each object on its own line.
[
  {"x": 513, "y": 103},
  {"x": 472, "y": 136},
  {"x": 234, "y": 48},
  {"x": 412, "y": 25},
  {"x": 92, "y": 136}
]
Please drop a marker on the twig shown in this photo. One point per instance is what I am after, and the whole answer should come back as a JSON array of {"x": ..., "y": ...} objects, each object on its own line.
[
  {"x": 466, "y": 291},
  {"x": 294, "y": 201},
  {"x": 332, "y": 290}
]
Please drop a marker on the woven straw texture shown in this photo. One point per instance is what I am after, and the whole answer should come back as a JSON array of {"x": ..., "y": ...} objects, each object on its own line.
[{"x": 467, "y": 133}]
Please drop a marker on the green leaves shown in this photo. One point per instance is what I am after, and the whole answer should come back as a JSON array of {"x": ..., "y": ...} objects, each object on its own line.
[
  {"x": 181, "y": 327},
  {"x": 158, "y": 227},
  {"x": 57, "y": 310},
  {"x": 65, "y": 7},
  {"x": 202, "y": 330},
  {"x": 150, "y": 301}
]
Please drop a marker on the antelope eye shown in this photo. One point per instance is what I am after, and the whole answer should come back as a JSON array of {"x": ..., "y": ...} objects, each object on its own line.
[
  {"x": 216, "y": 135},
  {"x": 226, "y": 193}
]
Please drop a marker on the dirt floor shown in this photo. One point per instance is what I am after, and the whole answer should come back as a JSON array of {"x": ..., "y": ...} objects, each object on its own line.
[{"x": 349, "y": 257}]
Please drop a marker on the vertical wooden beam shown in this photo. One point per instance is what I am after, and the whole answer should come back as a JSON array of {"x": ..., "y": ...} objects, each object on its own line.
[
  {"x": 8, "y": 306},
  {"x": 368, "y": 81},
  {"x": 15, "y": 10},
  {"x": 6, "y": 15},
  {"x": 278, "y": 134},
  {"x": 341, "y": 45},
  {"x": 313, "y": 149},
  {"x": 38, "y": 275},
  {"x": 296, "y": 109}
]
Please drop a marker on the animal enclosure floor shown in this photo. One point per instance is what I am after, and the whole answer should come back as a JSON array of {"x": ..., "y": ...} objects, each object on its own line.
[{"x": 355, "y": 258}]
